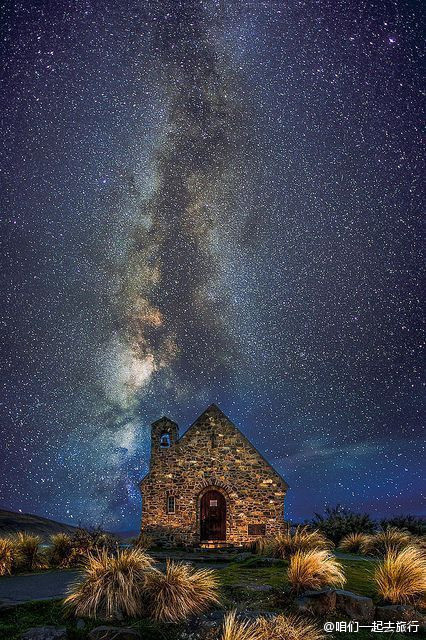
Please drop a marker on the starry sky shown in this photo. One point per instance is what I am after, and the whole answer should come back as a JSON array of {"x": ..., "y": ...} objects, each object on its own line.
[{"x": 211, "y": 201}]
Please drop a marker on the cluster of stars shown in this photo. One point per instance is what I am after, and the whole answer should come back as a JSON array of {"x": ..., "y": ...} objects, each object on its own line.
[{"x": 211, "y": 202}]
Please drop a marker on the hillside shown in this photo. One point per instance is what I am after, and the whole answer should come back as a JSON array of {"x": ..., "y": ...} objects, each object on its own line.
[{"x": 11, "y": 522}]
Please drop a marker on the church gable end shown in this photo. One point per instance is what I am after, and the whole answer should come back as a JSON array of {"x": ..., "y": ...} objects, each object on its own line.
[{"x": 210, "y": 482}]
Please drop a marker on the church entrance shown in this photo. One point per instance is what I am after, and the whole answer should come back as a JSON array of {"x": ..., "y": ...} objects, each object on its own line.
[{"x": 213, "y": 516}]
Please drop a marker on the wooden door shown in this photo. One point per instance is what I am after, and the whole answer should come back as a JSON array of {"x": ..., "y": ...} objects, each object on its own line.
[{"x": 213, "y": 516}]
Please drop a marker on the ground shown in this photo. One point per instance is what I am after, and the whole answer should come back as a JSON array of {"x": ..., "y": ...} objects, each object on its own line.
[{"x": 249, "y": 584}]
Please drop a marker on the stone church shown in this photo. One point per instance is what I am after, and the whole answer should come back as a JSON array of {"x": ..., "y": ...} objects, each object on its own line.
[{"x": 210, "y": 487}]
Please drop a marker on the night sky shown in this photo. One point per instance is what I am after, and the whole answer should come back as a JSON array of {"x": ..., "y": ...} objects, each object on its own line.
[{"x": 211, "y": 201}]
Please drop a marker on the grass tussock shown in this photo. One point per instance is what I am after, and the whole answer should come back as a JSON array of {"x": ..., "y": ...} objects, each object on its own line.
[
  {"x": 112, "y": 585},
  {"x": 6, "y": 556},
  {"x": 59, "y": 550},
  {"x": 180, "y": 592},
  {"x": 301, "y": 539},
  {"x": 234, "y": 629},
  {"x": 288, "y": 628},
  {"x": 27, "y": 552},
  {"x": 383, "y": 542},
  {"x": 264, "y": 546},
  {"x": 283, "y": 545},
  {"x": 275, "y": 628},
  {"x": 354, "y": 542},
  {"x": 143, "y": 541},
  {"x": 314, "y": 569},
  {"x": 401, "y": 576}
]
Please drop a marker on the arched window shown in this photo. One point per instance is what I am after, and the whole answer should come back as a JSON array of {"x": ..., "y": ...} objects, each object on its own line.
[{"x": 165, "y": 440}]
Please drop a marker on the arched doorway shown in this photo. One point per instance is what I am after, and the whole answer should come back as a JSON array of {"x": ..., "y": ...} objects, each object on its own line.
[{"x": 213, "y": 516}]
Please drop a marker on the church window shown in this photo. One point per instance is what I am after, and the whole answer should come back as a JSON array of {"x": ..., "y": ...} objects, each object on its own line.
[
  {"x": 165, "y": 440},
  {"x": 171, "y": 504}
]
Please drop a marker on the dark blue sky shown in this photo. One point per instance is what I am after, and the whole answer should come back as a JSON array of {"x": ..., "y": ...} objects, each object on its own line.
[{"x": 211, "y": 202}]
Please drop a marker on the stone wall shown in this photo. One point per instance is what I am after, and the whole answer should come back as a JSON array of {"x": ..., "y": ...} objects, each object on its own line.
[{"x": 211, "y": 454}]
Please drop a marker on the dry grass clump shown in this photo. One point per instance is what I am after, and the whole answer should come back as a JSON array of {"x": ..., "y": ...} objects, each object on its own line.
[
  {"x": 390, "y": 539},
  {"x": 314, "y": 569},
  {"x": 288, "y": 628},
  {"x": 143, "y": 541},
  {"x": 180, "y": 592},
  {"x": 6, "y": 556},
  {"x": 276, "y": 628},
  {"x": 60, "y": 549},
  {"x": 112, "y": 585},
  {"x": 401, "y": 575},
  {"x": 302, "y": 539},
  {"x": 234, "y": 629},
  {"x": 27, "y": 551},
  {"x": 354, "y": 542},
  {"x": 264, "y": 546}
]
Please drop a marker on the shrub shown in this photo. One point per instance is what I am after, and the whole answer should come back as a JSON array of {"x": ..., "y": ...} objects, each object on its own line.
[
  {"x": 388, "y": 540},
  {"x": 314, "y": 569},
  {"x": 112, "y": 585},
  {"x": 288, "y": 628},
  {"x": 339, "y": 521},
  {"x": 180, "y": 592},
  {"x": 354, "y": 542},
  {"x": 84, "y": 542},
  {"x": 412, "y": 524},
  {"x": 401, "y": 575},
  {"x": 27, "y": 551},
  {"x": 60, "y": 549},
  {"x": 6, "y": 556},
  {"x": 143, "y": 541}
]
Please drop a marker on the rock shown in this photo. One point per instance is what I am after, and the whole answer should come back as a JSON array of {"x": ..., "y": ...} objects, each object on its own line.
[
  {"x": 80, "y": 624},
  {"x": 319, "y": 603},
  {"x": 45, "y": 633},
  {"x": 400, "y": 613},
  {"x": 114, "y": 633},
  {"x": 353, "y": 606}
]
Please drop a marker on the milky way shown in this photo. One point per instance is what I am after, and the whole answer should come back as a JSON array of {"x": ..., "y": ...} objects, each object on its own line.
[{"x": 211, "y": 202}]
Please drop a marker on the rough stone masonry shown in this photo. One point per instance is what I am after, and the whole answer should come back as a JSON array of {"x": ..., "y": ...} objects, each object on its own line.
[{"x": 210, "y": 487}]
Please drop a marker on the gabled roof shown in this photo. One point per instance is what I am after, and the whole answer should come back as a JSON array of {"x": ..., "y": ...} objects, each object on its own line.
[{"x": 213, "y": 409}]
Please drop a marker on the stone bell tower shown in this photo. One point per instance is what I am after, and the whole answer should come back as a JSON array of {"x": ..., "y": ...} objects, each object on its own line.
[{"x": 164, "y": 434}]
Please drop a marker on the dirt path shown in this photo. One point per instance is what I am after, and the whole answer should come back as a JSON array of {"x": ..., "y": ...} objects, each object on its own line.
[
  {"x": 51, "y": 585},
  {"x": 35, "y": 586}
]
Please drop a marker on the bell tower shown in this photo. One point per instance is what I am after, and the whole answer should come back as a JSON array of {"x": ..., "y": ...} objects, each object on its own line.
[{"x": 164, "y": 434}]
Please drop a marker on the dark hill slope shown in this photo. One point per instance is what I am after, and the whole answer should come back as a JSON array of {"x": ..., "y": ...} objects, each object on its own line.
[{"x": 10, "y": 522}]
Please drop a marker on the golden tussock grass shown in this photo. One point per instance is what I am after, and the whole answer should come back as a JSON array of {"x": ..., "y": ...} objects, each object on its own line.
[
  {"x": 288, "y": 628},
  {"x": 59, "y": 550},
  {"x": 354, "y": 542},
  {"x": 283, "y": 545},
  {"x": 275, "y": 628},
  {"x": 314, "y": 569},
  {"x": 180, "y": 592},
  {"x": 143, "y": 541},
  {"x": 6, "y": 556},
  {"x": 390, "y": 539},
  {"x": 27, "y": 551},
  {"x": 112, "y": 585},
  {"x": 264, "y": 546},
  {"x": 401, "y": 575},
  {"x": 234, "y": 629},
  {"x": 301, "y": 539}
]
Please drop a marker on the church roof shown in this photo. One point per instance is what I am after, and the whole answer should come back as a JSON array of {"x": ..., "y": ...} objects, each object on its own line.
[{"x": 214, "y": 410}]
